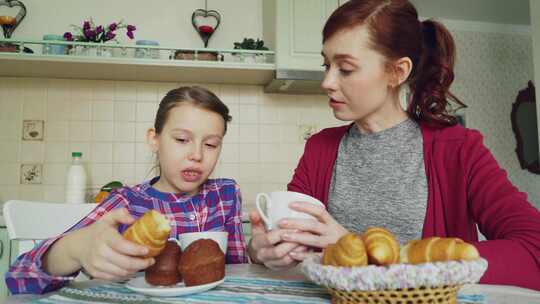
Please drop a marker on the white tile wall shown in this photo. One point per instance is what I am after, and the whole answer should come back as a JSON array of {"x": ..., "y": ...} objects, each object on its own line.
[
  {"x": 103, "y": 91},
  {"x": 33, "y": 108},
  {"x": 54, "y": 174},
  {"x": 147, "y": 92},
  {"x": 81, "y": 90},
  {"x": 54, "y": 130},
  {"x": 31, "y": 192},
  {"x": 55, "y": 152},
  {"x": 145, "y": 111},
  {"x": 103, "y": 110},
  {"x": 9, "y": 151},
  {"x": 10, "y": 174},
  {"x": 125, "y": 91},
  {"x": 32, "y": 152},
  {"x": 124, "y": 131},
  {"x": 124, "y": 152},
  {"x": 124, "y": 111},
  {"x": 81, "y": 110},
  {"x": 80, "y": 130},
  {"x": 107, "y": 121},
  {"x": 58, "y": 109},
  {"x": 102, "y": 152},
  {"x": 102, "y": 131},
  {"x": 11, "y": 109}
]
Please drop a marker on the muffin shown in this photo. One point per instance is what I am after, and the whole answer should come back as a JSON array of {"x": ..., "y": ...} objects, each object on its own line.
[
  {"x": 202, "y": 262},
  {"x": 164, "y": 272}
]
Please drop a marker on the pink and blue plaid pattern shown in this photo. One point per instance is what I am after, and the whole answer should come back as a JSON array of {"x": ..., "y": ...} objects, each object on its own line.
[{"x": 217, "y": 207}]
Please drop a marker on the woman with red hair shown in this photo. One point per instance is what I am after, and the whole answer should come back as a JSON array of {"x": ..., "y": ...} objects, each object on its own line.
[{"x": 415, "y": 171}]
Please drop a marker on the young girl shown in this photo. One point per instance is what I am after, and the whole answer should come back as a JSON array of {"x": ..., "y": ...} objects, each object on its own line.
[{"x": 187, "y": 138}]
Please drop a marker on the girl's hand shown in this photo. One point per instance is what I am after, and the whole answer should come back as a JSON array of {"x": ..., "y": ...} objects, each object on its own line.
[
  {"x": 266, "y": 247},
  {"x": 106, "y": 254},
  {"x": 317, "y": 233}
]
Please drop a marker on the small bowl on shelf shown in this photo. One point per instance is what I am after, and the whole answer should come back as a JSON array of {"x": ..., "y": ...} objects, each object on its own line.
[{"x": 201, "y": 55}]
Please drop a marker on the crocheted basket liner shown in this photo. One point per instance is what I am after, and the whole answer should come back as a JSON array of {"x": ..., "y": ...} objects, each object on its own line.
[{"x": 392, "y": 277}]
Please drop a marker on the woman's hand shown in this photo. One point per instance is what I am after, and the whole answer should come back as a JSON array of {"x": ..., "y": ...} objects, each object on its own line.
[
  {"x": 266, "y": 247},
  {"x": 106, "y": 254},
  {"x": 317, "y": 233}
]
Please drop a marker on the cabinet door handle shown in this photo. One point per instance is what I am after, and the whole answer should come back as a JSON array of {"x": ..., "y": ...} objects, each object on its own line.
[{"x": 1, "y": 249}]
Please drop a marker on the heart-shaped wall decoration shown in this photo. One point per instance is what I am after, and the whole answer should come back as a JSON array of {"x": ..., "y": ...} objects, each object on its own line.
[
  {"x": 10, "y": 23},
  {"x": 205, "y": 22}
]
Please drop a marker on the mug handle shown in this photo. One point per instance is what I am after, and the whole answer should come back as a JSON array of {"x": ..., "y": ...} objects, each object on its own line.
[{"x": 268, "y": 204}]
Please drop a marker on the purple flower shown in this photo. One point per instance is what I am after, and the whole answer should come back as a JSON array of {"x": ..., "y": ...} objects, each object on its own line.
[
  {"x": 109, "y": 36},
  {"x": 90, "y": 35},
  {"x": 99, "y": 33},
  {"x": 68, "y": 36}
]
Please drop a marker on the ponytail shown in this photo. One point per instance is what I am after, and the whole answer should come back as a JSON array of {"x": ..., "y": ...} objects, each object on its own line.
[{"x": 431, "y": 80}]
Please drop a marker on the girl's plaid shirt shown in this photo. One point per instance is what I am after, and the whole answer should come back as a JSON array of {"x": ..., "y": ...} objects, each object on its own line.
[{"x": 217, "y": 207}]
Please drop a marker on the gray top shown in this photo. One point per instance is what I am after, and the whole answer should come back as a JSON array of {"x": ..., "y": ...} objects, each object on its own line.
[{"x": 379, "y": 180}]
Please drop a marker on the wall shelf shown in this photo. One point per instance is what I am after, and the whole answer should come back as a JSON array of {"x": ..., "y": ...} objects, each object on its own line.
[{"x": 130, "y": 68}]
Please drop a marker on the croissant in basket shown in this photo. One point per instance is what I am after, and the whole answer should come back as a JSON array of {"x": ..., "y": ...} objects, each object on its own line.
[
  {"x": 349, "y": 251},
  {"x": 150, "y": 230},
  {"x": 378, "y": 246},
  {"x": 436, "y": 249},
  {"x": 381, "y": 245}
]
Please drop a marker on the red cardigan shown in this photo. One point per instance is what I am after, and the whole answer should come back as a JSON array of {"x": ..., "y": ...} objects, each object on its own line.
[{"x": 466, "y": 187}]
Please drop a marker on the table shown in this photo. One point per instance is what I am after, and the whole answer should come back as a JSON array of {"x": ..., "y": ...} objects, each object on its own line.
[{"x": 496, "y": 294}]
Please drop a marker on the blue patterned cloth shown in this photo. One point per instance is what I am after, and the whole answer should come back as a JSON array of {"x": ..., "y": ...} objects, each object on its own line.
[{"x": 235, "y": 290}]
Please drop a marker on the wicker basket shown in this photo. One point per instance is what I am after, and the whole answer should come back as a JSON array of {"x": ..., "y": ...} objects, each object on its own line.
[
  {"x": 435, "y": 283},
  {"x": 421, "y": 295}
]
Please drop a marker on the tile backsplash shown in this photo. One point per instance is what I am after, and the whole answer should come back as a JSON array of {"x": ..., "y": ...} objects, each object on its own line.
[{"x": 107, "y": 122}]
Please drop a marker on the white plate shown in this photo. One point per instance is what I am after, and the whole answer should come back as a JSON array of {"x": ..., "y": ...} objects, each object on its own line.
[{"x": 138, "y": 284}]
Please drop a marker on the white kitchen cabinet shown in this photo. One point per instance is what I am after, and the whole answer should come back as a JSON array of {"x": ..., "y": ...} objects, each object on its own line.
[{"x": 293, "y": 28}]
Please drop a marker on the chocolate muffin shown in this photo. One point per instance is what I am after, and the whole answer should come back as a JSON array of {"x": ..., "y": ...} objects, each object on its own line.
[
  {"x": 202, "y": 262},
  {"x": 164, "y": 272}
]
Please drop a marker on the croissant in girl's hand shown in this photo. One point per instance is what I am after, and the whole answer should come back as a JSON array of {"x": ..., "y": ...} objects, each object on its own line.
[
  {"x": 150, "y": 230},
  {"x": 436, "y": 249},
  {"x": 349, "y": 251}
]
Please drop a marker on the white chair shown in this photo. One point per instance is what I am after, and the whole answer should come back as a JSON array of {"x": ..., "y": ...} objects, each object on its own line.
[{"x": 28, "y": 222}]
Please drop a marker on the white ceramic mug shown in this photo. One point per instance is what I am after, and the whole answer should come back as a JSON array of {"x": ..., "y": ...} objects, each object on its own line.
[
  {"x": 277, "y": 206},
  {"x": 220, "y": 237}
]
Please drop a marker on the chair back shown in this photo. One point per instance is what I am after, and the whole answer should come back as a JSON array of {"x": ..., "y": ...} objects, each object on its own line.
[{"x": 30, "y": 222}]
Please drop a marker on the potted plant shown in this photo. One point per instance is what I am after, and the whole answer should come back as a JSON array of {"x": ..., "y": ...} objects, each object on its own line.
[
  {"x": 250, "y": 44},
  {"x": 89, "y": 32}
]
